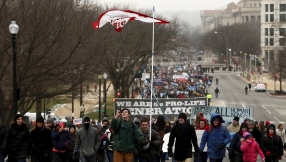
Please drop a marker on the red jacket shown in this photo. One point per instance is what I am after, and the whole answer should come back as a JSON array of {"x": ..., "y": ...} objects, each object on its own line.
[{"x": 249, "y": 148}]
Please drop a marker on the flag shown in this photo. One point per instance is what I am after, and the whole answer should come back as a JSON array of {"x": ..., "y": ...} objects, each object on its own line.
[{"x": 119, "y": 18}]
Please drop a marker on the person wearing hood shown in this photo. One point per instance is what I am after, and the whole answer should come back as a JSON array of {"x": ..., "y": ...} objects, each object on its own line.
[
  {"x": 271, "y": 145},
  {"x": 185, "y": 136},
  {"x": 216, "y": 137},
  {"x": 87, "y": 141},
  {"x": 16, "y": 140},
  {"x": 234, "y": 152},
  {"x": 202, "y": 124},
  {"x": 254, "y": 131},
  {"x": 234, "y": 126},
  {"x": 104, "y": 125},
  {"x": 61, "y": 141},
  {"x": 40, "y": 143},
  {"x": 3, "y": 132},
  {"x": 250, "y": 148}
]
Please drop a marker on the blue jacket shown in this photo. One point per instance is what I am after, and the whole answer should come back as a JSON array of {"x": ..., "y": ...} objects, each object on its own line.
[
  {"x": 61, "y": 140},
  {"x": 214, "y": 138}
]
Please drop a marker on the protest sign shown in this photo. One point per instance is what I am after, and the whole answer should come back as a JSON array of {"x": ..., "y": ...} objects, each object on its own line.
[
  {"x": 77, "y": 121},
  {"x": 168, "y": 107}
]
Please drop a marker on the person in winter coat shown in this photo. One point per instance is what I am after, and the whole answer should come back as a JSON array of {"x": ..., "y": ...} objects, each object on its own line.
[
  {"x": 61, "y": 141},
  {"x": 126, "y": 136},
  {"x": 203, "y": 125},
  {"x": 88, "y": 141},
  {"x": 109, "y": 148},
  {"x": 254, "y": 131},
  {"x": 148, "y": 152},
  {"x": 185, "y": 136},
  {"x": 234, "y": 152},
  {"x": 250, "y": 148},
  {"x": 216, "y": 138},
  {"x": 40, "y": 143},
  {"x": 16, "y": 140},
  {"x": 234, "y": 126},
  {"x": 104, "y": 125},
  {"x": 3, "y": 132},
  {"x": 72, "y": 131},
  {"x": 281, "y": 132},
  {"x": 271, "y": 145}
]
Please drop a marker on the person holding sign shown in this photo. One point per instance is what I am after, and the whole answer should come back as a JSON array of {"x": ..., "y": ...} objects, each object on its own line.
[
  {"x": 185, "y": 136},
  {"x": 216, "y": 137}
]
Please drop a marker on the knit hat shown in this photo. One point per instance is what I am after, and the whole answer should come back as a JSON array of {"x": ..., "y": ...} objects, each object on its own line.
[
  {"x": 244, "y": 125},
  {"x": 50, "y": 120},
  {"x": 236, "y": 118},
  {"x": 86, "y": 119},
  {"x": 246, "y": 135},
  {"x": 183, "y": 116},
  {"x": 104, "y": 119},
  {"x": 40, "y": 119},
  {"x": 18, "y": 116},
  {"x": 270, "y": 127},
  {"x": 267, "y": 123},
  {"x": 251, "y": 122}
]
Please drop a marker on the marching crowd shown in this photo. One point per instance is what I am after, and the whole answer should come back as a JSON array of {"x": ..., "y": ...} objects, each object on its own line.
[{"x": 123, "y": 140}]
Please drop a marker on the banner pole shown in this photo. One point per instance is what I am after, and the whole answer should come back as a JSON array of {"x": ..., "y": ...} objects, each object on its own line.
[{"x": 151, "y": 89}]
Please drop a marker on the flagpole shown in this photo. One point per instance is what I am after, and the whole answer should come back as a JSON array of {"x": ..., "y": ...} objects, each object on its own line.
[{"x": 152, "y": 76}]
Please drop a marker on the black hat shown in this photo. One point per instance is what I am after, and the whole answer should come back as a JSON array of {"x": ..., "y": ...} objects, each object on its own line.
[
  {"x": 104, "y": 119},
  {"x": 183, "y": 116},
  {"x": 86, "y": 119},
  {"x": 18, "y": 116},
  {"x": 236, "y": 118},
  {"x": 244, "y": 125},
  {"x": 40, "y": 119}
]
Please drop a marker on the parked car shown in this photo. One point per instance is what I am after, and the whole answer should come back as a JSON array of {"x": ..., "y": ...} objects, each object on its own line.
[{"x": 260, "y": 87}]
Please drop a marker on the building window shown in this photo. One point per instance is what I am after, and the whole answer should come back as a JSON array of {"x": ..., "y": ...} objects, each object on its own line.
[
  {"x": 266, "y": 31},
  {"x": 271, "y": 17},
  {"x": 271, "y": 53},
  {"x": 254, "y": 4},
  {"x": 271, "y": 32},
  {"x": 250, "y": 4},
  {"x": 266, "y": 7},
  {"x": 271, "y": 41},
  {"x": 271, "y": 7},
  {"x": 282, "y": 41},
  {"x": 266, "y": 17},
  {"x": 282, "y": 31},
  {"x": 266, "y": 55},
  {"x": 266, "y": 41},
  {"x": 282, "y": 7},
  {"x": 282, "y": 17}
]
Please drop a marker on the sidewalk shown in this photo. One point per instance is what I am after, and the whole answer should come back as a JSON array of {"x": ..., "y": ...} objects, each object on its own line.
[{"x": 90, "y": 100}]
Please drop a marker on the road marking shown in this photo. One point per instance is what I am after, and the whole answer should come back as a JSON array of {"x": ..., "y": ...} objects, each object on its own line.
[
  {"x": 266, "y": 109},
  {"x": 277, "y": 120}
]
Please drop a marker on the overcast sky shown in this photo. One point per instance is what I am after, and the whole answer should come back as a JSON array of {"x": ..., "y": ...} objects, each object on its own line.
[{"x": 173, "y": 5}]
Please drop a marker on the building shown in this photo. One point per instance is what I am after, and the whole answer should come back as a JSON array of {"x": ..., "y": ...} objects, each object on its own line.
[
  {"x": 273, "y": 28},
  {"x": 243, "y": 12}
]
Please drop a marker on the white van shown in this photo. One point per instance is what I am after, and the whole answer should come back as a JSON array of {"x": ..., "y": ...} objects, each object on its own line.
[{"x": 32, "y": 116}]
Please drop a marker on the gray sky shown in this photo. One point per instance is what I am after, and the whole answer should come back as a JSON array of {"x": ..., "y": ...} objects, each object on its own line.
[{"x": 173, "y": 5}]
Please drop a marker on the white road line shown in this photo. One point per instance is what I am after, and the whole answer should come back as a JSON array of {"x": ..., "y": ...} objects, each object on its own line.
[
  {"x": 266, "y": 109},
  {"x": 277, "y": 119}
]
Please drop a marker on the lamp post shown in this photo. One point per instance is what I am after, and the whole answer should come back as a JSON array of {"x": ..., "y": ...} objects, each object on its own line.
[
  {"x": 105, "y": 92},
  {"x": 225, "y": 46},
  {"x": 249, "y": 63},
  {"x": 234, "y": 57},
  {"x": 99, "y": 96},
  {"x": 74, "y": 71},
  {"x": 240, "y": 60},
  {"x": 255, "y": 64},
  {"x": 229, "y": 59},
  {"x": 81, "y": 68},
  {"x": 245, "y": 61},
  {"x": 13, "y": 29}
]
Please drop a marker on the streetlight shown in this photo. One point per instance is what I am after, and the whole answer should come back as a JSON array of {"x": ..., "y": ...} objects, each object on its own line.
[
  {"x": 229, "y": 59},
  {"x": 240, "y": 60},
  {"x": 255, "y": 63},
  {"x": 225, "y": 45},
  {"x": 74, "y": 71},
  {"x": 245, "y": 61},
  {"x": 250, "y": 63},
  {"x": 81, "y": 69},
  {"x": 13, "y": 29},
  {"x": 105, "y": 92},
  {"x": 234, "y": 61},
  {"x": 82, "y": 110},
  {"x": 99, "y": 96}
]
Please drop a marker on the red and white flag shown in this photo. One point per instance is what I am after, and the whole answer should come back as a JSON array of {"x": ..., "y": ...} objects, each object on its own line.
[{"x": 119, "y": 18}]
